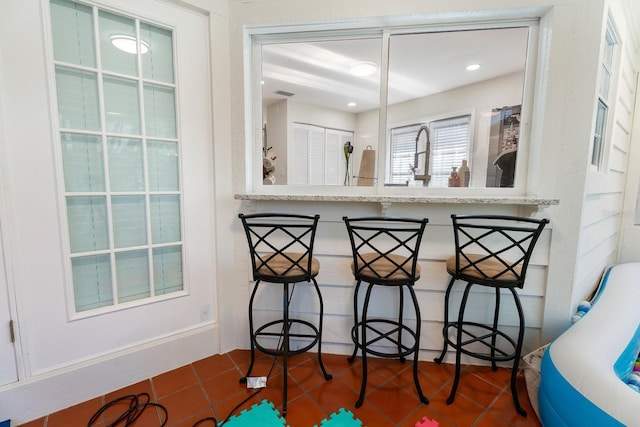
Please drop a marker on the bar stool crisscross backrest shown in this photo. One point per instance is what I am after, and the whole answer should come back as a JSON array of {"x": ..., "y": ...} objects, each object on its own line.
[
  {"x": 493, "y": 250},
  {"x": 281, "y": 246},
  {"x": 386, "y": 255}
]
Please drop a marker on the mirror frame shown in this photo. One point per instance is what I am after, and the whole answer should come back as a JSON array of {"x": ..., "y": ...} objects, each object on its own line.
[{"x": 256, "y": 36}]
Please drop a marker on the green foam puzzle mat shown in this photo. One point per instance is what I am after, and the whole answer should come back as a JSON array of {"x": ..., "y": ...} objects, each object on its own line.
[
  {"x": 342, "y": 418},
  {"x": 264, "y": 414}
]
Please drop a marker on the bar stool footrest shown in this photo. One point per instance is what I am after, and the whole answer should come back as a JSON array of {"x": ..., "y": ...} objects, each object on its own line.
[
  {"x": 389, "y": 336},
  {"x": 500, "y": 354},
  {"x": 312, "y": 333}
]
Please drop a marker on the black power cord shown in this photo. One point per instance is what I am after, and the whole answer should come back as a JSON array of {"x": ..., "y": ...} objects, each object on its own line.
[
  {"x": 138, "y": 403},
  {"x": 137, "y": 407}
]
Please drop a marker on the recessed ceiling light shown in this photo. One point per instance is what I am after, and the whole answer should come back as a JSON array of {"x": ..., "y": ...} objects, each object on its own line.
[
  {"x": 363, "y": 69},
  {"x": 351, "y": 104},
  {"x": 128, "y": 44},
  {"x": 473, "y": 67}
]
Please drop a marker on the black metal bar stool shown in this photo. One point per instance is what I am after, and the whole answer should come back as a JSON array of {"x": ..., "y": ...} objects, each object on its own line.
[
  {"x": 385, "y": 253},
  {"x": 281, "y": 247},
  {"x": 492, "y": 251}
]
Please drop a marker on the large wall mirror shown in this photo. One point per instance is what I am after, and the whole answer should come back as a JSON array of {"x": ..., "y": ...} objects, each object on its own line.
[{"x": 421, "y": 108}]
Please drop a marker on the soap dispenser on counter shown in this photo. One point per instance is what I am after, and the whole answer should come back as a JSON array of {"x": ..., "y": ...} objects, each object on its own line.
[
  {"x": 454, "y": 179},
  {"x": 464, "y": 174}
]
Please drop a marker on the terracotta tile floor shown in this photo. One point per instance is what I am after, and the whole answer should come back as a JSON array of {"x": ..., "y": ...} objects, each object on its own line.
[{"x": 210, "y": 388}]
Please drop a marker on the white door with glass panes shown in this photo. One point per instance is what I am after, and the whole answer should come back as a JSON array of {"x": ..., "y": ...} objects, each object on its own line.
[{"x": 114, "y": 231}]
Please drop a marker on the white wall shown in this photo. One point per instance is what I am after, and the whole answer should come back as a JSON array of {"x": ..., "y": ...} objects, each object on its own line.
[{"x": 630, "y": 218}]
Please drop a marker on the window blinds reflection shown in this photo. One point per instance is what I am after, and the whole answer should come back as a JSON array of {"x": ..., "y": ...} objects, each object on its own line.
[
  {"x": 92, "y": 282},
  {"x": 129, "y": 221},
  {"x": 157, "y": 64},
  {"x": 114, "y": 59},
  {"x": 72, "y": 26},
  {"x": 132, "y": 275},
  {"x": 160, "y": 111},
  {"x": 125, "y": 164},
  {"x": 87, "y": 217},
  {"x": 122, "y": 106},
  {"x": 162, "y": 163},
  {"x": 77, "y": 99},
  {"x": 167, "y": 269},
  {"x": 165, "y": 219},
  {"x": 83, "y": 163}
]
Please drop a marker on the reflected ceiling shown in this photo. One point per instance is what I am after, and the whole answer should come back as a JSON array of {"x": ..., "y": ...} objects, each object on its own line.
[{"x": 319, "y": 72}]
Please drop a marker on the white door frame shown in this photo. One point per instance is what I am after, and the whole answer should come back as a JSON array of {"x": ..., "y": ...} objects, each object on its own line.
[{"x": 8, "y": 360}]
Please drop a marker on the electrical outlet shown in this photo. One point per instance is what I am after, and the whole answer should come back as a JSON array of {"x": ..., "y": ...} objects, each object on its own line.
[{"x": 204, "y": 312}]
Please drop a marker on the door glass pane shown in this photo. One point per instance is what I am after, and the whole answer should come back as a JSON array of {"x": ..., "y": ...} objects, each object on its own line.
[
  {"x": 157, "y": 64},
  {"x": 165, "y": 219},
  {"x": 83, "y": 162},
  {"x": 122, "y": 106},
  {"x": 92, "y": 282},
  {"x": 160, "y": 111},
  {"x": 72, "y": 28},
  {"x": 132, "y": 275},
  {"x": 77, "y": 99},
  {"x": 129, "y": 221},
  {"x": 118, "y": 44},
  {"x": 162, "y": 160},
  {"x": 125, "y": 164},
  {"x": 88, "y": 230},
  {"x": 167, "y": 270}
]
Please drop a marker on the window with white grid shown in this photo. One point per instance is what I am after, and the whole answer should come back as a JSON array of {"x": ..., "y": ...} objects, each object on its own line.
[
  {"x": 604, "y": 95},
  {"x": 119, "y": 146}
]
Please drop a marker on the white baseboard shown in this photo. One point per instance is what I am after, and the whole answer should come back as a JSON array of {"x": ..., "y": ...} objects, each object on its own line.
[{"x": 43, "y": 394}]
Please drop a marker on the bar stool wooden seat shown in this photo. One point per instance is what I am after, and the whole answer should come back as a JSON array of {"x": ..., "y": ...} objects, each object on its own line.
[
  {"x": 281, "y": 248},
  {"x": 385, "y": 254},
  {"x": 490, "y": 251}
]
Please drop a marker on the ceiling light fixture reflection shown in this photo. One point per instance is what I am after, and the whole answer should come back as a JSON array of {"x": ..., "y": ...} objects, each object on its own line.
[
  {"x": 351, "y": 104},
  {"x": 363, "y": 69},
  {"x": 473, "y": 67},
  {"x": 128, "y": 44}
]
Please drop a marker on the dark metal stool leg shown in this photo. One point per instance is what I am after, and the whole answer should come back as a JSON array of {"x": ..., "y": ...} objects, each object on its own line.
[
  {"x": 416, "y": 349},
  {"x": 363, "y": 342},
  {"x": 400, "y": 322},
  {"x": 496, "y": 315},
  {"x": 285, "y": 345},
  {"x": 445, "y": 327},
  {"x": 456, "y": 378},
  {"x": 251, "y": 336},
  {"x": 324, "y": 371},
  {"x": 516, "y": 360},
  {"x": 355, "y": 323}
]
